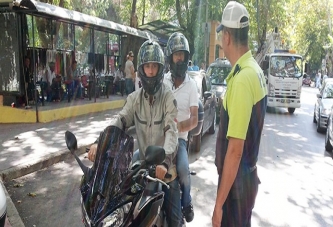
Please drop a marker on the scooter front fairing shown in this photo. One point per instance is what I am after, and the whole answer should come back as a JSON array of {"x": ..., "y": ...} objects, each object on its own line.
[{"x": 100, "y": 188}]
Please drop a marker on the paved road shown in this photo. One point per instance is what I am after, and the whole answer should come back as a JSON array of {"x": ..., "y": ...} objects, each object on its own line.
[{"x": 295, "y": 171}]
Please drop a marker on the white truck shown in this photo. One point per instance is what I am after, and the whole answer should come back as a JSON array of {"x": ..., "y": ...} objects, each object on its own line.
[{"x": 283, "y": 73}]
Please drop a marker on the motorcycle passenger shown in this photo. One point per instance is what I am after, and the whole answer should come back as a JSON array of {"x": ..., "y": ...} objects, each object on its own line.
[
  {"x": 153, "y": 110},
  {"x": 185, "y": 91}
]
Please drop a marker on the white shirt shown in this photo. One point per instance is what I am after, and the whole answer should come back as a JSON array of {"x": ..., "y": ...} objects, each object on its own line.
[
  {"x": 128, "y": 65},
  {"x": 118, "y": 75},
  {"x": 50, "y": 76},
  {"x": 186, "y": 95}
]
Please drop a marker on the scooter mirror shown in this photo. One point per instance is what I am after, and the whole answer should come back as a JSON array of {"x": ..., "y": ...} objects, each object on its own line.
[
  {"x": 154, "y": 155},
  {"x": 71, "y": 141}
]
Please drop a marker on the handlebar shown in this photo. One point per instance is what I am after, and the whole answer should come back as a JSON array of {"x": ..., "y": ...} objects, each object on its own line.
[
  {"x": 150, "y": 175},
  {"x": 158, "y": 180}
]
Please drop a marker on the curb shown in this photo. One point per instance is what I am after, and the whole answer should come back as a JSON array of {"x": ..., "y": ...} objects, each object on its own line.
[{"x": 19, "y": 171}]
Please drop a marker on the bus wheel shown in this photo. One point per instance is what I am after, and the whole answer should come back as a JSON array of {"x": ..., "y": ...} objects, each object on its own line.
[{"x": 291, "y": 110}]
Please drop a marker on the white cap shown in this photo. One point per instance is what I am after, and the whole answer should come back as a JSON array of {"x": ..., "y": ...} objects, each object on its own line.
[{"x": 232, "y": 15}]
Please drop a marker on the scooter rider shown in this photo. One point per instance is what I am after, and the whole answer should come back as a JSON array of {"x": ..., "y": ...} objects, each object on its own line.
[
  {"x": 186, "y": 93},
  {"x": 153, "y": 110}
]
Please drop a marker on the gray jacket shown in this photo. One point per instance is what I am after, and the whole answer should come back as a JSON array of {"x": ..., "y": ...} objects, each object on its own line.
[{"x": 155, "y": 124}]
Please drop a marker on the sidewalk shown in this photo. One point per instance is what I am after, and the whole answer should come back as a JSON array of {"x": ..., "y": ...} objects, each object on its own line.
[{"x": 26, "y": 148}]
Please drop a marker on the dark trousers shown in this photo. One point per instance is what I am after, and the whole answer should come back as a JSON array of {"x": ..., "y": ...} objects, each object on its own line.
[{"x": 237, "y": 210}]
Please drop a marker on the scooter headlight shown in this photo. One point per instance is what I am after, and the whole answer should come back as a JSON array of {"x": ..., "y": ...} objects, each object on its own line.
[{"x": 116, "y": 218}]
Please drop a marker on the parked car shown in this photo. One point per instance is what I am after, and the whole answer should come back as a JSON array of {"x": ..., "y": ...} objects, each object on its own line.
[
  {"x": 329, "y": 133},
  {"x": 326, "y": 81},
  {"x": 217, "y": 73},
  {"x": 323, "y": 106},
  {"x": 207, "y": 110},
  {"x": 2, "y": 206}
]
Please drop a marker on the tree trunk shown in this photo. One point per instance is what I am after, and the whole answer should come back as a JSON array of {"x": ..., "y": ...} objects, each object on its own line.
[{"x": 132, "y": 43}]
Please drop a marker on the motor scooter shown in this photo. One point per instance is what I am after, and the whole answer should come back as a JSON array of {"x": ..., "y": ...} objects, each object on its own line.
[
  {"x": 112, "y": 193},
  {"x": 307, "y": 81}
]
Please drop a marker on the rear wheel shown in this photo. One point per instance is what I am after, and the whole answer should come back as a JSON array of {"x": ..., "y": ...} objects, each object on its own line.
[
  {"x": 211, "y": 130},
  {"x": 319, "y": 128},
  {"x": 328, "y": 145},
  {"x": 195, "y": 144},
  {"x": 291, "y": 110},
  {"x": 314, "y": 118}
]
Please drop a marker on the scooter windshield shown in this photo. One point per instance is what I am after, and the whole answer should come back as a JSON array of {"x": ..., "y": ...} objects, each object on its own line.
[{"x": 113, "y": 157}]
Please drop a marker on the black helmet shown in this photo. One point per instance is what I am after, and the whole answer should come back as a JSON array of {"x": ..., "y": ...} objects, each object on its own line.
[
  {"x": 178, "y": 42},
  {"x": 150, "y": 51}
]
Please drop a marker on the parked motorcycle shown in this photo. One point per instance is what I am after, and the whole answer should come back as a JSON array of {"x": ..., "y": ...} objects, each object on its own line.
[
  {"x": 112, "y": 194},
  {"x": 307, "y": 81}
]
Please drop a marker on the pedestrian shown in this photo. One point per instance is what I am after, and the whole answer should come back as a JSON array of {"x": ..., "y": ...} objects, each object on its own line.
[
  {"x": 117, "y": 80},
  {"x": 185, "y": 91},
  {"x": 203, "y": 66},
  {"x": 28, "y": 81},
  {"x": 153, "y": 110},
  {"x": 129, "y": 73},
  {"x": 242, "y": 119},
  {"x": 190, "y": 67},
  {"x": 74, "y": 88},
  {"x": 48, "y": 80},
  {"x": 195, "y": 67}
]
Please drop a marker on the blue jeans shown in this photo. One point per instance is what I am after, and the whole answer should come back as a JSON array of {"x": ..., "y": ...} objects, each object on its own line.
[
  {"x": 184, "y": 173},
  {"x": 78, "y": 89},
  {"x": 171, "y": 204},
  {"x": 129, "y": 86}
]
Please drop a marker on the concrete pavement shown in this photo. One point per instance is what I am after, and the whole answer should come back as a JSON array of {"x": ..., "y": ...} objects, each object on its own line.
[{"x": 26, "y": 148}]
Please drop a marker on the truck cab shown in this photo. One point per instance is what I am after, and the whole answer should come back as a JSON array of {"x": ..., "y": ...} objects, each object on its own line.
[{"x": 283, "y": 72}]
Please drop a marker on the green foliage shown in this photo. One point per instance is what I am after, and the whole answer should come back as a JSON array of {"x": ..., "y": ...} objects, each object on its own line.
[{"x": 303, "y": 24}]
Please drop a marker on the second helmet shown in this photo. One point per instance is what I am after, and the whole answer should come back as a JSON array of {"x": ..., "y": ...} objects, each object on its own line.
[{"x": 178, "y": 42}]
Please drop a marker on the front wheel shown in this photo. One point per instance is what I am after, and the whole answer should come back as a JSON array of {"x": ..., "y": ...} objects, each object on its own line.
[{"x": 291, "y": 110}]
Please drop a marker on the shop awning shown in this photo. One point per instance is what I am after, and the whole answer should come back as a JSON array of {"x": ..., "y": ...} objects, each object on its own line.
[
  {"x": 61, "y": 14},
  {"x": 161, "y": 29}
]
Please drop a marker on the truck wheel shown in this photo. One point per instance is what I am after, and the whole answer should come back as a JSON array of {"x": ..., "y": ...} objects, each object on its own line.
[{"x": 291, "y": 110}]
